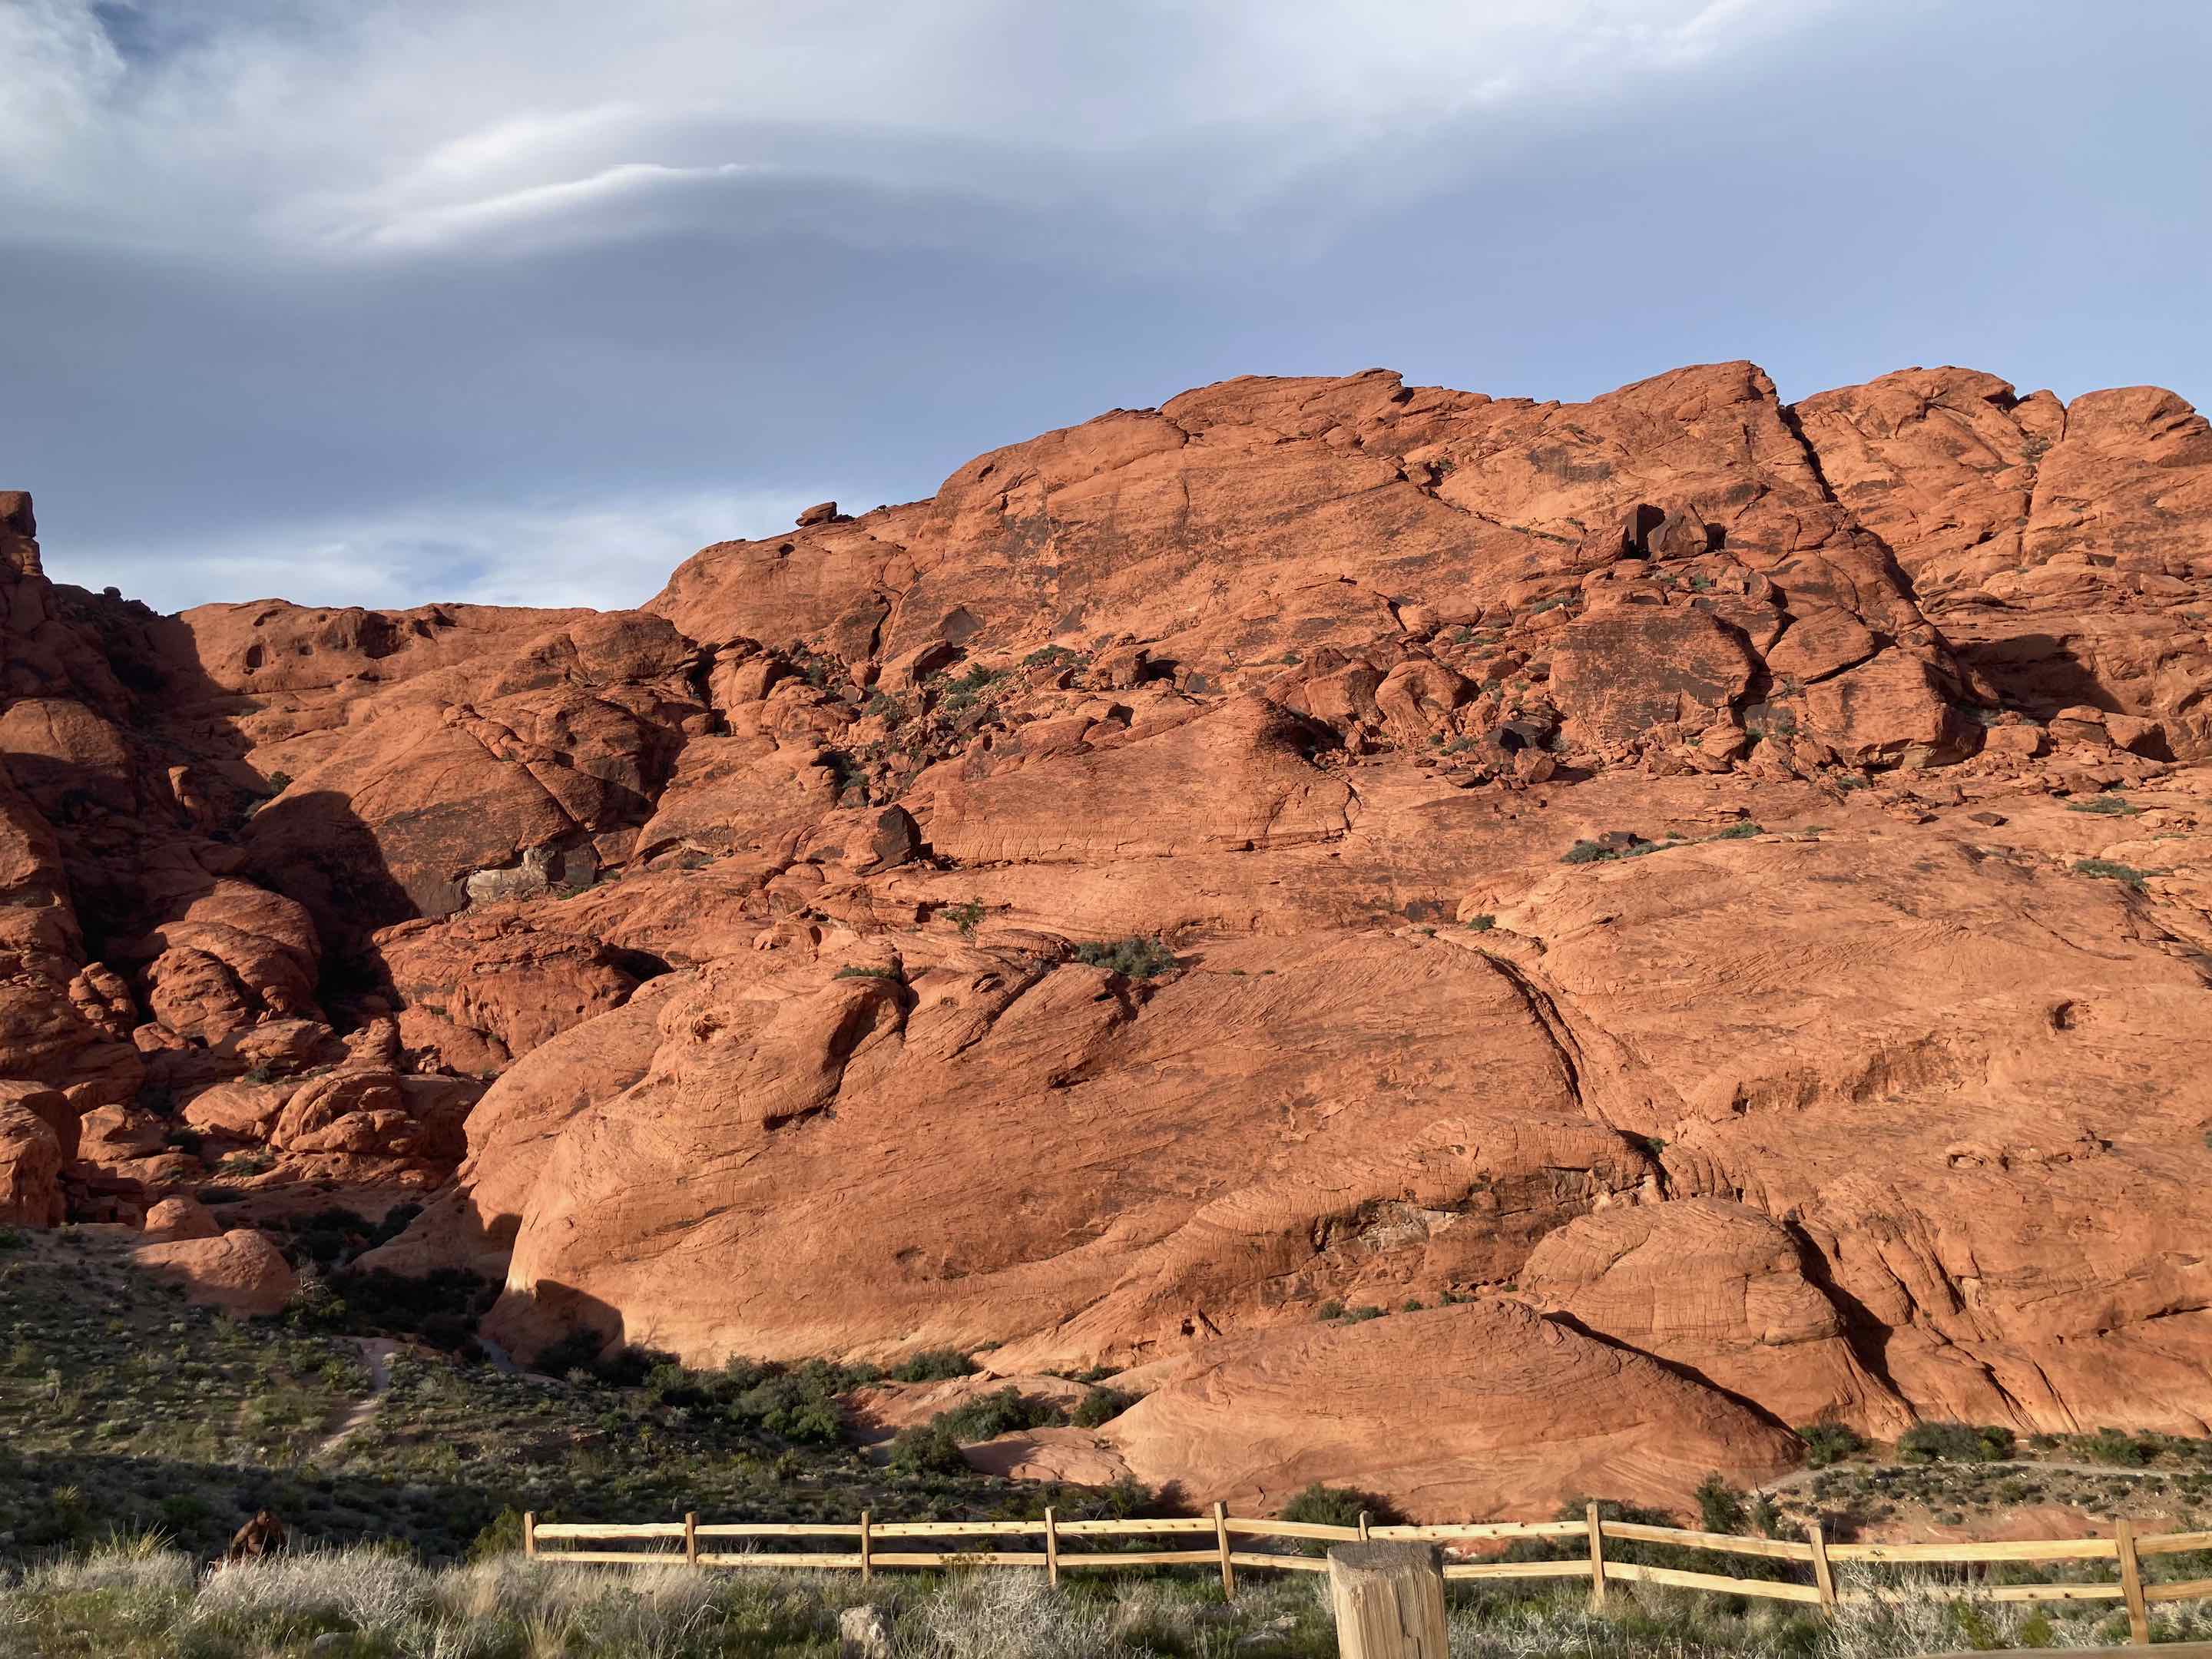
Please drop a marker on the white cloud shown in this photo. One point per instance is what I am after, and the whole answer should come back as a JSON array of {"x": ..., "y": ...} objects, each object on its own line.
[
  {"x": 533, "y": 204},
  {"x": 549, "y": 553},
  {"x": 421, "y": 124}
]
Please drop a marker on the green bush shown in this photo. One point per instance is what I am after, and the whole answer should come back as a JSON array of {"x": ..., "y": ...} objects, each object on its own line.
[
  {"x": 1135, "y": 957},
  {"x": 500, "y": 1536},
  {"x": 1331, "y": 1308},
  {"x": 1481, "y": 924},
  {"x": 933, "y": 1365},
  {"x": 1008, "y": 1411},
  {"x": 855, "y": 970},
  {"x": 928, "y": 1450},
  {"x": 579, "y": 1350},
  {"x": 2106, "y": 869},
  {"x": 1336, "y": 1506},
  {"x": 1720, "y": 1506},
  {"x": 964, "y": 916},
  {"x": 2119, "y": 1448},
  {"x": 2109, "y": 806},
  {"x": 1743, "y": 831},
  {"x": 1830, "y": 1443},
  {"x": 1954, "y": 1443},
  {"x": 1331, "y": 1506},
  {"x": 1101, "y": 1406}
]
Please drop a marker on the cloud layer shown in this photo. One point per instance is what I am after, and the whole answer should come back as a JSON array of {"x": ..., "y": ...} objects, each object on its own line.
[{"x": 314, "y": 296}]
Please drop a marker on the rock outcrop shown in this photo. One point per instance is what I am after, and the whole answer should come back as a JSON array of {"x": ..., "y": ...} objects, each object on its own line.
[{"x": 1476, "y": 949}]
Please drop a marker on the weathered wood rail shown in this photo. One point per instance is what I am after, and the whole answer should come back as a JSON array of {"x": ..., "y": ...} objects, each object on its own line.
[{"x": 697, "y": 1543}]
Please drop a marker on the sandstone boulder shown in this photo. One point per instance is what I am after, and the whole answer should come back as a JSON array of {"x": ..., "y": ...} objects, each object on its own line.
[
  {"x": 1485, "y": 1409},
  {"x": 30, "y": 1168},
  {"x": 242, "y": 1273}
]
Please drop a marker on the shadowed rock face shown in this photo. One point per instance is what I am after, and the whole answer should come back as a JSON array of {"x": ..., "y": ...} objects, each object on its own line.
[{"x": 1708, "y": 899}]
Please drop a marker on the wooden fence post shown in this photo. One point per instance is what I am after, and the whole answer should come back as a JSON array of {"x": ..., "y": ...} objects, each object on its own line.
[
  {"x": 1221, "y": 1545},
  {"x": 1388, "y": 1600},
  {"x": 1597, "y": 1557},
  {"x": 1051, "y": 1549},
  {"x": 1363, "y": 1526},
  {"x": 1823, "y": 1577},
  {"x": 690, "y": 1539},
  {"x": 2123, "y": 1535},
  {"x": 867, "y": 1556},
  {"x": 530, "y": 1533}
]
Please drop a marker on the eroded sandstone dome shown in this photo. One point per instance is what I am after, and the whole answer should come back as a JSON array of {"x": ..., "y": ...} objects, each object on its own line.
[{"x": 1707, "y": 898}]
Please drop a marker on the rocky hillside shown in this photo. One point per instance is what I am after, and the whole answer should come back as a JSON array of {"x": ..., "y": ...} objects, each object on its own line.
[{"x": 1694, "y": 906}]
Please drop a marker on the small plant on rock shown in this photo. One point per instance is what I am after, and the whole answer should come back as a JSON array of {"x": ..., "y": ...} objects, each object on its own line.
[
  {"x": 1101, "y": 1406},
  {"x": 1138, "y": 956},
  {"x": 2109, "y": 870}
]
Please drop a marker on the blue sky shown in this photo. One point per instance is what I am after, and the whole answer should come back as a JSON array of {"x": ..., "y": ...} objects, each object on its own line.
[{"x": 372, "y": 301}]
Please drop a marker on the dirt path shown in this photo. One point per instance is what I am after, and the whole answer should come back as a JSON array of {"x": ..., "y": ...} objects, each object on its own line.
[{"x": 376, "y": 1352}]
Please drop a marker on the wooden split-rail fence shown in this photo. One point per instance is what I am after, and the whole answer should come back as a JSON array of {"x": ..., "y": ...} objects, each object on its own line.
[{"x": 1063, "y": 1547}]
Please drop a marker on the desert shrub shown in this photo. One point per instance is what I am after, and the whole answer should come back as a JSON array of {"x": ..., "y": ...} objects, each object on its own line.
[
  {"x": 2108, "y": 870},
  {"x": 928, "y": 1448},
  {"x": 855, "y": 970},
  {"x": 1743, "y": 831},
  {"x": 1334, "y": 1506},
  {"x": 2119, "y": 1448},
  {"x": 1481, "y": 924},
  {"x": 1830, "y": 1443},
  {"x": 2109, "y": 806},
  {"x": 441, "y": 1308},
  {"x": 1101, "y": 1406},
  {"x": 933, "y": 1365},
  {"x": 500, "y": 1536},
  {"x": 887, "y": 708},
  {"x": 1331, "y": 1308},
  {"x": 1720, "y": 1506},
  {"x": 578, "y": 1350},
  {"x": 798, "y": 1405},
  {"x": 1954, "y": 1443},
  {"x": 1135, "y": 957},
  {"x": 1360, "y": 1315},
  {"x": 964, "y": 916},
  {"x": 1007, "y": 1411}
]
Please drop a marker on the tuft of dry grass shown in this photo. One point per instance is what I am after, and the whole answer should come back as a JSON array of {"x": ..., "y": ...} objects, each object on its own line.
[{"x": 136, "y": 1598}]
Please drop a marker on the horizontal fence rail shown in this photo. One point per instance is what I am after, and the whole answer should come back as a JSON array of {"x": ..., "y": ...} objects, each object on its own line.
[{"x": 686, "y": 1542}]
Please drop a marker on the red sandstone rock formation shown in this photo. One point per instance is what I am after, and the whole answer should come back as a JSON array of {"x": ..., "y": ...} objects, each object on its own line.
[{"x": 732, "y": 949}]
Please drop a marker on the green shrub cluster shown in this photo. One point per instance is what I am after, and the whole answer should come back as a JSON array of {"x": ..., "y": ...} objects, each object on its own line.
[
  {"x": 1101, "y": 1406},
  {"x": 1955, "y": 1443},
  {"x": 933, "y": 1365},
  {"x": 1826, "y": 1443},
  {"x": 1138, "y": 956},
  {"x": 2108, "y": 870}
]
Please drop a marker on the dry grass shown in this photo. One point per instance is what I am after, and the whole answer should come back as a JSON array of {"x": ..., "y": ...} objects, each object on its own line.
[{"x": 136, "y": 1599}]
